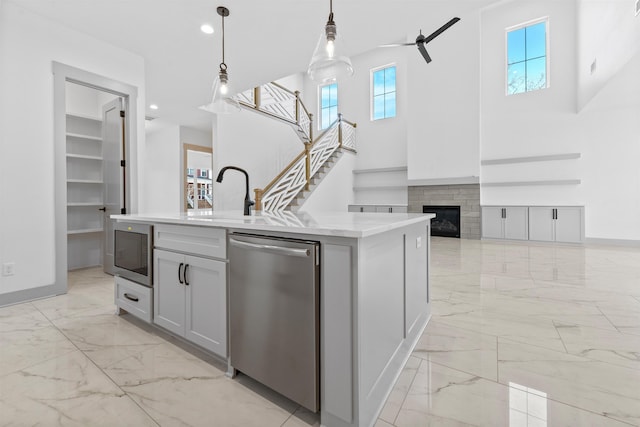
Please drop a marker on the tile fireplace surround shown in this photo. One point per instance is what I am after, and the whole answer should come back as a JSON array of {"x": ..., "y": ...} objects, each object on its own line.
[{"x": 467, "y": 196}]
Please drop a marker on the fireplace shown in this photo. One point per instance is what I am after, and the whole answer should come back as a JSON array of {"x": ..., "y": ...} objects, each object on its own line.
[{"x": 447, "y": 220}]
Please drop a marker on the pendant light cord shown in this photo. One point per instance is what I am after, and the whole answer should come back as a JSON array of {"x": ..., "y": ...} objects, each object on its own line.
[{"x": 225, "y": 65}]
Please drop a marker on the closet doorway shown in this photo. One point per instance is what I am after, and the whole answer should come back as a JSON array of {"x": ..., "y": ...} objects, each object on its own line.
[
  {"x": 95, "y": 138},
  {"x": 95, "y": 178}
]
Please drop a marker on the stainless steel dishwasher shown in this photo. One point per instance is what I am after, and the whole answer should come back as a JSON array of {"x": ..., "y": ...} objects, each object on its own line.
[{"x": 274, "y": 314}]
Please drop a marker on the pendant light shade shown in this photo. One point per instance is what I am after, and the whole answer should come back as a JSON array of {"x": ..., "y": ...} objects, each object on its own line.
[
  {"x": 329, "y": 63},
  {"x": 221, "y": 102}
]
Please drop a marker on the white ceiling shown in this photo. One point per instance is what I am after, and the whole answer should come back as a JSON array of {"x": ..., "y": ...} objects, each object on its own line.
[{"x": 264, "y": 40}]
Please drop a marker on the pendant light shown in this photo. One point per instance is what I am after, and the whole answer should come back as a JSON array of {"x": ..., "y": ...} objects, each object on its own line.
[
  {"x": 221, "y": 102},
  {"x": 329, "y": 63}
]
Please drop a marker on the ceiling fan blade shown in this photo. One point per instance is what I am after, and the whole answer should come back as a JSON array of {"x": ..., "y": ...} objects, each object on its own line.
[
  {"x": 396, "y": 44},
  {"x": 424, "y": 52},
  {"x": 441, "y": 30}
]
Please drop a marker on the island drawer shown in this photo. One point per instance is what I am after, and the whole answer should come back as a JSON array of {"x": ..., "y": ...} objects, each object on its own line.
[
  {"x": 134, "y": 298},
  {"x": 203, "y": 241}
]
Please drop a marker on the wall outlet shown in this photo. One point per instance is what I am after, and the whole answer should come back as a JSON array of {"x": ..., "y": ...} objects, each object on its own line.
[
  {"x": 418, "y": 242},
  {"x": 8, "y": 268}
]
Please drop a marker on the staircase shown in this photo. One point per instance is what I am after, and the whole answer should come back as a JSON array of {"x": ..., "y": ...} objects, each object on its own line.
[
  {"x": 302, "y": 196},
  {"x": 291, "y": 187}
]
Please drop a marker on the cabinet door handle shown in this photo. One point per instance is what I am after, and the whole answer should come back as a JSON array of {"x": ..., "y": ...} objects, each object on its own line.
[
  {"x": 390, "y": 210},
  {"x": 132, "y": 298},
  {"x": 186, "y": 267},
  {"x": 180, "y": 273}
]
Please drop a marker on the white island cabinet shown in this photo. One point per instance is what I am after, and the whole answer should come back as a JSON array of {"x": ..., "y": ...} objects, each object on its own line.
[
  {"x": 374, "y": 294},
  {"x": 190, "y": 285}
]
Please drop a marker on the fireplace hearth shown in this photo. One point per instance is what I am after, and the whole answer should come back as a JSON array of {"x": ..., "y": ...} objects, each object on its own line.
[{"x": 447, "y": 220}]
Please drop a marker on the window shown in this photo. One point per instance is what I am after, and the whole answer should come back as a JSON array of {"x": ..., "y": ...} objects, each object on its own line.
[
  {"x": 383, "y": 93},
  {"x": 328, "y": 105},
  {"x": 527, "y": 63}
]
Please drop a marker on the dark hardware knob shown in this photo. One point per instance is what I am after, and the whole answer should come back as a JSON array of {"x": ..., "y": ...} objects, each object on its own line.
[
  {"x": 180, "y": 273},
  {"x": 103, "y": 209},
  {"x": 186, "y": 267}
]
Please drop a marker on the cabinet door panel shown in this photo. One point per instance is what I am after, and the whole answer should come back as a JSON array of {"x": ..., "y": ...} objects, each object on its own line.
[
  {"x": 516, "y": 223},
  {"x": 492, "y": 222},
  {"x": 541, "y": 224},
  {"x": 169, "y": 298},
  {"x": 415, "y": 273},
  {"x": 206, "y": 313},
  {"x": 569, "y": 225}
]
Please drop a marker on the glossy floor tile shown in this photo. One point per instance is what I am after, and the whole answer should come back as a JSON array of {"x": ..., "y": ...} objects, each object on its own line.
[{"x": 521, "y": 335}]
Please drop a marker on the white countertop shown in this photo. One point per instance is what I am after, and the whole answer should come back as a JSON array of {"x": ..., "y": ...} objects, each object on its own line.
[{"x": 343, "y": 224}]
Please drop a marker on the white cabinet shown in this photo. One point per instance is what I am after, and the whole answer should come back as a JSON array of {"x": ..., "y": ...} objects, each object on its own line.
[
  {"x": 134, "y": 298},
  {"x": 84, "y": 191},
  {"x": 556, "y": 224},
  {"x": 510, "y": 222},
  {"x": 190, "y": 291},
  {"x": 378, "y": 208}
]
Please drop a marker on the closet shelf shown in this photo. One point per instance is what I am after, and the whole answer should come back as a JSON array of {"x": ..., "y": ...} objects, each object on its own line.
[
  {"x": 84, "y": 231},
  {"x": 85, "y": 181},
  {"x": 83, "y": 136},
  {"x": 81, "y": 204},
  {"x": 83, "y": 156}
]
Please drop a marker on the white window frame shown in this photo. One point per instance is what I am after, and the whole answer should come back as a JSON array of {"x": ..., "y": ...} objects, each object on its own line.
[
  {"x": 320, "y": 101},
  {"x": 544, "y": 19},
  {"x": 373, "y": 70}
]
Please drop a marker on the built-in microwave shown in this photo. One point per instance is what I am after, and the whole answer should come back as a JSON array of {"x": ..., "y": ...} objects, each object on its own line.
[{"x": 133, "y": 252}]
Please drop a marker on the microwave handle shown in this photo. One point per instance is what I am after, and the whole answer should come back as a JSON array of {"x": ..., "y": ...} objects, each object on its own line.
[{"x": 180, "y": 273}]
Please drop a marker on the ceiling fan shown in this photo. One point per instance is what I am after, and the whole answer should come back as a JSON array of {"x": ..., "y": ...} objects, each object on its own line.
[{"x": 422, "y": 40}]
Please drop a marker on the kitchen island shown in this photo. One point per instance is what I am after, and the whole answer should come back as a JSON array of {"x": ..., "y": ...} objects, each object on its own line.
[{"x": 374, "y": 295}]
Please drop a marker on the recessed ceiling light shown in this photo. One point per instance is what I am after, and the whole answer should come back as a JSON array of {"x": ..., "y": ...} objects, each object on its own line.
[
  {"x": 153, "y": 106},
  {"x": 206, "y": 28}
]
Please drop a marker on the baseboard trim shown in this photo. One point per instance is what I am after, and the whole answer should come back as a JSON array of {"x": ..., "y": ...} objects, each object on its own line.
[
  {"x": 613, "y": 242},
  {"x": 25, "y": 295}
]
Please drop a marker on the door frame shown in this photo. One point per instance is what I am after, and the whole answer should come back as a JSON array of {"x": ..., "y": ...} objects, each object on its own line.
[
  {"x": 62, "y": 74},
  {"x": 185, "y": 180}
]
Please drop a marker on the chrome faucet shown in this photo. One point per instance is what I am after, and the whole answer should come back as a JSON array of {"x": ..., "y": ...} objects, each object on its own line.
[{"x": 247, "y": 201}]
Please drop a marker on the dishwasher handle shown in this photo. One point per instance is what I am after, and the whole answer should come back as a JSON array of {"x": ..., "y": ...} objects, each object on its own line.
[{"x": 273, "y": 249}]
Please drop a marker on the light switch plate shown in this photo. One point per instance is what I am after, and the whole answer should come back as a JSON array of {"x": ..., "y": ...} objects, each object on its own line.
[
  {"x": 418, "y": 242},
  {"x": 8, "y": 268}
]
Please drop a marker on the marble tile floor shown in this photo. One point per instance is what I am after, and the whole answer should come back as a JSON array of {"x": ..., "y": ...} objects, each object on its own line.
[{"x": 522, "y": 334}]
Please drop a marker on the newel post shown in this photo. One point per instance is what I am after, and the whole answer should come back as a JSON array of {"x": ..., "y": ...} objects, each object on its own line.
[
  {"x": 310, "y": 127},
  {"x": 256, "y": 97},
  {"x": 307, "y": 164},
  {"x": 259, "y": 192}
]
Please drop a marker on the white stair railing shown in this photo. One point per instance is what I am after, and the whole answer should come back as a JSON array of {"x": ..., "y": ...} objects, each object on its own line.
[
  {"x": 281, "y": 191},
  {"x": 280, "y": 103}
]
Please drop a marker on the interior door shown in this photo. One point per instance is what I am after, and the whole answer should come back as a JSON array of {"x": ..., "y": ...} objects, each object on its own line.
[{"x": 113, "y": 173}]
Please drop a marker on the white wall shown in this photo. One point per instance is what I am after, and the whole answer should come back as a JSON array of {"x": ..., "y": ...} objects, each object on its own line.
[
  {"x": 28, "y": 45},
  {"x": 163, "y": 164},
  {"x": 86, "y": 101},
  {"x": 163, "y": 170},
  {"x": 380, "y": 143},
  {"x": 260, "y": 145},
  {"x": 610, "y": 133},
  {"x": 609, "y": 34},
  {"x": 443, "y": 114},
  {"x": 536, "y": 123}
]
